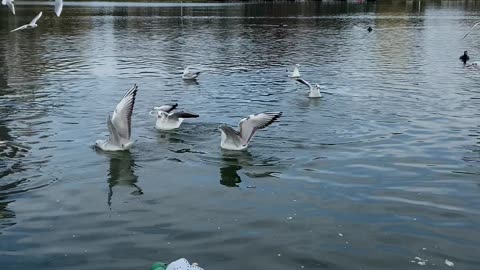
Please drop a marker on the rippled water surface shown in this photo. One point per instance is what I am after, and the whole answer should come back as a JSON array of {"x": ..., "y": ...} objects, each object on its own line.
[{"x": 383, "y": 169}]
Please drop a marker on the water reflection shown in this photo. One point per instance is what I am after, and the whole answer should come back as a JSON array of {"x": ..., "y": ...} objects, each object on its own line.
[
  {"x": 122, "y": 173},
  {"x": 229, "y": 176},
  {"x": 233, "y": 162}
]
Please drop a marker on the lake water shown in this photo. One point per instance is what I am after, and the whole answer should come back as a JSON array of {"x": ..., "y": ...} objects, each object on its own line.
[{"x": 383, "y": 169}]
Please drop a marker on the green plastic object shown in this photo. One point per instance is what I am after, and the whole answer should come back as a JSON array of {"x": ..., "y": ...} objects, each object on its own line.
[{"x": 159, "y": 266}]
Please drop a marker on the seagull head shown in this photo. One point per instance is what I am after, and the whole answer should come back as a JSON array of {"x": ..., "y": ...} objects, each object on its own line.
[
  {"x": 222, "y": 127},
  {"x": 297, "y": 65},
  {"x": 317, "y": 85}
]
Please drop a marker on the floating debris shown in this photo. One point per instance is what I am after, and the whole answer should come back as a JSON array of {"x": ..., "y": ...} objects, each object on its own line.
[
  {"x": 251, "y": 187},
  {"x": 340, "y": 234},
  {"x": 289, "y": 218}
]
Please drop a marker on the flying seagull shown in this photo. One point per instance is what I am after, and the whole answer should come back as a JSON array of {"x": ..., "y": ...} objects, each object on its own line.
[
  {"x": 295, "y": 73},
  {"x": 120, "y": 124},
  {"x": 58, "y": 7},
  {"x": 167, "y": 119},
  {"x": 32, "y": 24},
  {"x": 188, "y": 75},
  {"x": 314, "y": 89},
  {"x": 471, "y": 29},
  {"x": 239, "y": 140},
  {"x": 9, "y": 4}
]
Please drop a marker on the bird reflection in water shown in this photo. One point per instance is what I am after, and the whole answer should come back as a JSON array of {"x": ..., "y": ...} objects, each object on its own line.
[
  {"x": 233, "y": 162},
  {"x": 122, "y": 173},
  {"x": 229, "y": 176}
]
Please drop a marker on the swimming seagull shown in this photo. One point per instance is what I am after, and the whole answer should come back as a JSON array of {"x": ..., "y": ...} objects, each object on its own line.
[
  {"x": 314, "y": 89},
  {"x": 168, "y": 120},
  {"x": 239, "y": 140},
  {"x": 471, "y": 29},
  {"x": 188, "y": 75},
  {"x": 32, "y": 24},
  {"x": 295, "y": 73},
  {"x": 182, "y": 264},
  {"x": 9, "y": 4},
  {"x": 58, "y": 7},
  {"x": 120, "y": 124}
]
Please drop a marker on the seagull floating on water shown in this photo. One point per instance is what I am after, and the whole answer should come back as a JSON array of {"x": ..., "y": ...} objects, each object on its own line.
[
  {"x": 32, "y": 24},
  {"x": 9, "y": 4},
  {"x": 314, "y": 89},
  {"x": 58, "y": 7},
  {"x": 180, "y": 264},
  {"x": 239, "y": 140},
  {"x": 471, "y": 29},
  {"x": 168, "y": 120},
  {"x": 295, "y": 73},
  {"x": 188, "y": 75},
  {"x": 120, "y": 124}
]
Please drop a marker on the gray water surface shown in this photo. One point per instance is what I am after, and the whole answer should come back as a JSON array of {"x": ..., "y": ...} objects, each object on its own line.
[{"x": 383, "y": 169}]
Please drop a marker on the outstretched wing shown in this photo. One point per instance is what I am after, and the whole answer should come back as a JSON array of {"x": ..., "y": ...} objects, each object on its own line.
[
  {"x": 471, "y": 29},
  {"x": 58, "y": 7},
  {"x": 20, "y": 28},
  {"x": 248, "y": 126},
  {"x": 34, "y": 21},
  {"x": 122, "y": 116},
  {"x": 114, "y": 136},
  {"x": 10, "y": 5},
  {"x": 304, "y": 82},
  {"x": 182, "y": 114},
  {"x": 167, "y": 108}
]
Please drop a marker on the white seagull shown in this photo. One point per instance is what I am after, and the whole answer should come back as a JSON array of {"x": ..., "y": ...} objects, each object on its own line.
[
  {"x": 183, "y": 264},
  {"x": 239, "y": 140},
  {"x": 471, "y": 29},
  {"x": 314, "y": 89},
  {"x": 188, "y": 75},
  {"x": 295, "y": 73},
  {"x": 32, "y": 24},
  {"x": 168, "y": 120},
  {"x": 58, "y": 7},
  {"x": 120, "y": 124},
  {"x": 9, "y": 4}
]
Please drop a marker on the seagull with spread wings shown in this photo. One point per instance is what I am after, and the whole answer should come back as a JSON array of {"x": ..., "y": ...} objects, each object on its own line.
[
  {"x": 314, "y": 89},
  {"x": 32, "y": 24},
  {"x": 239, "y": 140},
  {"x": 120, "y": 124},
  {"x": 167, "y": 119},
  {"x": 189, "y": 75}
]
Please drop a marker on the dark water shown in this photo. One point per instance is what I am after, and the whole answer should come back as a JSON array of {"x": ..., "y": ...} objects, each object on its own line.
[{"x": 383, "y": 169}]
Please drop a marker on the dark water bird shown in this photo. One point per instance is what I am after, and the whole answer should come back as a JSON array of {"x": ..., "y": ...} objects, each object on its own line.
[
  {"x": 369, "y": 29},
  {"x": 464, "y": 58}
]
